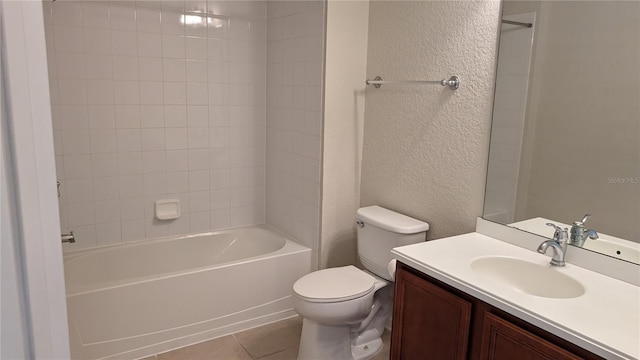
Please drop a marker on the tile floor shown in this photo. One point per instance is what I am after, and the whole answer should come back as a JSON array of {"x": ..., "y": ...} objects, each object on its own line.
[{"x": 276, "y": 341}]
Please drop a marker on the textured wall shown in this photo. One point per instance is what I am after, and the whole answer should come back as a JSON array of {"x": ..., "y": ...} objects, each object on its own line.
[
  {"x": 425, "y": 147},
  {"x": 347, "y": 25}
]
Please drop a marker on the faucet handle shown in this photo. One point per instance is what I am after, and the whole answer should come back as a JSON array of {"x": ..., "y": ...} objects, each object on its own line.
[
  {"x": 585, "y": 218},
  {"x": 560, "y": 234}
]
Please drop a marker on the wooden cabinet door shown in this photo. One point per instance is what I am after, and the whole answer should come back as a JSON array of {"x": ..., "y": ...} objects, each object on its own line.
[
  {"x": 428, "y": 321},
  {"x": 502, "y": 340}
]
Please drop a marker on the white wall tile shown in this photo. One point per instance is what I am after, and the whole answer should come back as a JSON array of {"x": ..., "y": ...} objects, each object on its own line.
[
  {"x": 177, "y": 182},
  {"x": 176, "y": 138},
  {"x": 199, "y": 159},
  {"x": 198, "y": 116},
  {"x": 98, "y": 67},
  {"x": 123, "y": 15},
  {"x": 152, "y": 116},
  {"x": 158, "y": 126},
  {"x": 153, "y": 162},
  {"x": 127, "y": 116},
  {"x": 124, "y": 43},
  {"x": 72, "y": 91},
  {"x": 107, "y": 211},
  {"x": 177, "y": 160},
  {"x": 95, "y": 14},
  {"x": 104, "y": 165},
  {"x": 197, "y": 138},
  {"x": 81, "y": 214},
  {"x": 108, "y": 234},
  {"x": 196, "y": 71},
  {"x": 130, "y": 186},
  {"x": 175, "y": 116},
  {"x": 155, "y": 184},
  {"x": 219, "y": 219},
  {"x": 151, "y": 92},
  {"x": 96, "y": 41},
  {"x": 199, "y": 201},
  {"x": 78, "y": 190},
  {"x": 133, "y": 230},
  {"x": 103, "y": 141},
  {"x": 173, "y": 46},
  {"x": 153, "y": 139},
  {"x": 101, "y": 116},
  {"x": 70, "y": 65},
  {"x": 175, "y": 93},
  {"x": 73, "y": 117},
  {"x": 198, "y": 180},
  {"x": 125, "y": 68},
  {"x": 132, "y": 208},
  {"x": 77, "y": 166},
  {"x": 68, "y": 38},
  {"x": 100, "y": 92},
  {"x": 148, "y": 20},
  {"x": 149, "y": 45},
  {"x": 129, "y": 163},
  {"x": 129, "y": 140},
  {"x": 174, "y": 70},
  {"x": 196, "y": 48},
  {"x": 106, "y": 188},
  {"x": 200, "y": 221},
  {"x": 126, "y": 92},
  {"x": 172, "y": 22},
  {"x": 197, "y": 94}
]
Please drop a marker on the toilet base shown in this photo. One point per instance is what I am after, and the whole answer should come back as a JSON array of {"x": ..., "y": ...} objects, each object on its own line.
[
  {"x": 321, "y": 342},
  {"x": 367, "y": 350}
]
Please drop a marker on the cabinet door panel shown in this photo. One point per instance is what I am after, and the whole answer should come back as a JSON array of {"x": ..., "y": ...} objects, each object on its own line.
[
  {"x": 429, "y": 322},
  {"x": 502, "y": 340}
]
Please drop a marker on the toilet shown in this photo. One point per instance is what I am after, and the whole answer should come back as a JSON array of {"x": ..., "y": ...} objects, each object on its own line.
[{"x": 345, "y": 309}]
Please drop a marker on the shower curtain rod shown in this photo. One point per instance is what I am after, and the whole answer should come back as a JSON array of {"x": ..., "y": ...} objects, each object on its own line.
[{"x": 517, "y": 23}]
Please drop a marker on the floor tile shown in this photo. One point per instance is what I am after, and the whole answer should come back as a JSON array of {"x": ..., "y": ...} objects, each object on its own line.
[
  {"x": 289, "y": 354},
  {"x": 272, "y": 338},
  {"x": 226, "y": 348}
]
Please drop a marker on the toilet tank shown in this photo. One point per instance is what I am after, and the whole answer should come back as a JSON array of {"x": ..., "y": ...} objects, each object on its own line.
[{"x": 379, "y": 231}]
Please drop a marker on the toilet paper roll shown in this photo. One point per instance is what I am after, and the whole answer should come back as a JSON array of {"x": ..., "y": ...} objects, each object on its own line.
[{"x": 391, "y": 268}]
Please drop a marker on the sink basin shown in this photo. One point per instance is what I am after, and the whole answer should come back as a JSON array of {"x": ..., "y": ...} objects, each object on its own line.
[{"x": 527, "y": 277}]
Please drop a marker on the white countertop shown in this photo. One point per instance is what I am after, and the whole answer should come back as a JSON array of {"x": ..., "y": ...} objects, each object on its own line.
[{"x": 605, "y": 320}]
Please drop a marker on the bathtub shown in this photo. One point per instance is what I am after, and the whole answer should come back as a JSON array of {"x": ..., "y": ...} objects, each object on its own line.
[{"x": 133, "y": 300}]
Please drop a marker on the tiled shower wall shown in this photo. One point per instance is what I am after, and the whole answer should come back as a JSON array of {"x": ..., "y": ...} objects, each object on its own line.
[
  {"x": 167, "y": 99},
  {"x": 294, "y": 117}
]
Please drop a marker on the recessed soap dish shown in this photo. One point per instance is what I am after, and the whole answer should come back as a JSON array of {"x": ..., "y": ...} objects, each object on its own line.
[{"x": 167, "y": 209}]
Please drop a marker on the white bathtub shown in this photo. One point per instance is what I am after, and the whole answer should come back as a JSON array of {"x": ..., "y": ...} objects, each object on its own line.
[{"x": 133, "y": 300}]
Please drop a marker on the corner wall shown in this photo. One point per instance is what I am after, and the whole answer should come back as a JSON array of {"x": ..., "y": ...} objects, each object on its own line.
[
  {"x": 426, "y": 147},
  {"x": 345, "y": 73}
]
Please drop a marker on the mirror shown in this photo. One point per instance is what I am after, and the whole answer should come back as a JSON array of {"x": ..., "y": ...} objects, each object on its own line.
[{"x": 565, "y": 138}]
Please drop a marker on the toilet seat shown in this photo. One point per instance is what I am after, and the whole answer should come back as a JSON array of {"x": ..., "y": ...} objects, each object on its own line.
[{"x": 334, "y": 285}]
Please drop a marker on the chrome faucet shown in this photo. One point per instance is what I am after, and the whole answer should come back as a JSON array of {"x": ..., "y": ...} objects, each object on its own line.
[
  {"x": 579, "y": 234},
  {"x": 558, "y": 244}
]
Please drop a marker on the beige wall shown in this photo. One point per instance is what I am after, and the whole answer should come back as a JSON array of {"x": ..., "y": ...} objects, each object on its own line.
[
  {"x": 585, "y": 154},
  {"x": 426, "y": 147},
  {"x": 346, "y": 49}
]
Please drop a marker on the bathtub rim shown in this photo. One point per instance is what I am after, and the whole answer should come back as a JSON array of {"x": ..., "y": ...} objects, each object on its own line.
[{"x": 290, "y": 246}]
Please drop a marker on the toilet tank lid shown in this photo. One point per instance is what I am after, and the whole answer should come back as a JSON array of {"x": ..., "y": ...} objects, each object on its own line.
[{"x": 391, "y": 220}]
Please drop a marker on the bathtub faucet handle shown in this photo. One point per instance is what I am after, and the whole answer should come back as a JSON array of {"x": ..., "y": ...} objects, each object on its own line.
[{"x": 68, "y": 238}]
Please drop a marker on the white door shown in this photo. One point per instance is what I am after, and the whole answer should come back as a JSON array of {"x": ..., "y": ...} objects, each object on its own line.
[{"x": 34, "y": 313}]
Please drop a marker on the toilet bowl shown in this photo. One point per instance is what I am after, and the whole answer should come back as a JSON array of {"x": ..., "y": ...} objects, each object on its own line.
[{"x": 345, "y": 309}]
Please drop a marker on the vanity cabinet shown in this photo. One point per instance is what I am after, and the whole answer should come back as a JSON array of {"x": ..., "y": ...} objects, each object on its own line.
[{"x": 432, "y": 320}]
